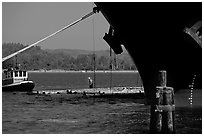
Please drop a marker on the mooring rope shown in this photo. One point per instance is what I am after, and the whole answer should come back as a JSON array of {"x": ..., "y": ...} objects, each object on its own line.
[
  {"x": 110, "y": 69},
  {"x": 94, "y": 54},
  {"x": 60, "y": 30}
]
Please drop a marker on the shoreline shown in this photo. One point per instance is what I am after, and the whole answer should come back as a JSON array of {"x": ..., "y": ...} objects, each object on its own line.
[{"x": 82, "y": 71}]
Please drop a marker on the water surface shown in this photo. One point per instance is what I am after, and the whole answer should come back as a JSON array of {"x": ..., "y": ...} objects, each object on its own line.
[{"x": 75, "y": 114}]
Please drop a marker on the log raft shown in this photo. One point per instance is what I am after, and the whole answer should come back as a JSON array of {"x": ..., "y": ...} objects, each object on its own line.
[{"x": 96, "y": 91}]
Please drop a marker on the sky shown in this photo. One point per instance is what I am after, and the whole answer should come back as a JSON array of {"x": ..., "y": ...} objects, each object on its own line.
[{"x": 28, "y": 22}]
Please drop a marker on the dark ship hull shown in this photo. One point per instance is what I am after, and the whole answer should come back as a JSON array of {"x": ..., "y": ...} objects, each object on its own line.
[
  {"x": 154, "y": 37},
  {"x": 25, "y": 86}
]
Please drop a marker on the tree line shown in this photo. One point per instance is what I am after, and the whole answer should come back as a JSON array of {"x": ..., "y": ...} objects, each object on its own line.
[{"x": 36, "y": 58}]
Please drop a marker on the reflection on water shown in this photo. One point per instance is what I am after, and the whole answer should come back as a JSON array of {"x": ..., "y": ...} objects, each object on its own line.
[
  {"x": 188, "y": 117},
  {"x": 182, "y": 98},
  {"x": 188, "y": 120},
  {"x": 72, "y": 114}
]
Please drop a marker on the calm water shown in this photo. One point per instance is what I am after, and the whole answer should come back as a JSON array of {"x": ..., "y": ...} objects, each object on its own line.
[
  {"x": 70, "y": 114},
  {"x": 80, "y": 80}
]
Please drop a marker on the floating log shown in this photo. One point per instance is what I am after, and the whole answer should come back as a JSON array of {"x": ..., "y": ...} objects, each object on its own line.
[{"x": 114, "y": 90}]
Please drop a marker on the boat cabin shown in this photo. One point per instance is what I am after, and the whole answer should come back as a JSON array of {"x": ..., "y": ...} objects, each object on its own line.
[{"x": 14, "y": 76}]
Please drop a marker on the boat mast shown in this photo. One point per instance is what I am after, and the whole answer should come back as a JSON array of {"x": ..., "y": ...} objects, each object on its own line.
[{"x": 16, "y": 62}]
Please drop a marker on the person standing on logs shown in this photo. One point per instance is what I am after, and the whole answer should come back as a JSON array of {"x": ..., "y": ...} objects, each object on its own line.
[{"x": 90, "y": 81}]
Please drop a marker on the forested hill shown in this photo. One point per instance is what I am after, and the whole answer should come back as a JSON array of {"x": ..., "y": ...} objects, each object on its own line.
[{"x": 64, "y": 59}]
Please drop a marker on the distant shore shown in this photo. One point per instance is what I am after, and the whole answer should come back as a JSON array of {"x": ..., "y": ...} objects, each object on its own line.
[{"x": 81, "y": 71}]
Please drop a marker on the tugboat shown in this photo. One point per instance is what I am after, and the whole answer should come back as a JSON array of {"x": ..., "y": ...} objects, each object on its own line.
[{"x": 16, "y": 80}]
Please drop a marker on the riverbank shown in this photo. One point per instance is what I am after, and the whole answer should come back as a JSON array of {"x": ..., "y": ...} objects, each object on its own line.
[{"x": 82, "y": 71}]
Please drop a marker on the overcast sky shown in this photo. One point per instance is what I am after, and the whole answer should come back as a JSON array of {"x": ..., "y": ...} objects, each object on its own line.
[{"x": 29, "y": 22}]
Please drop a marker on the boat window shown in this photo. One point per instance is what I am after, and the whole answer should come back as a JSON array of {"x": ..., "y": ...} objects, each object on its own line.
[
  {"x": 5, "y": 74},
  {"x": 16, "y": 73},
  {"x": 20, "y": 73},
  {"x": 11, "y": 73},
  {"x": 24, "y": 73},
  {"x": 8, "y": 74}
]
